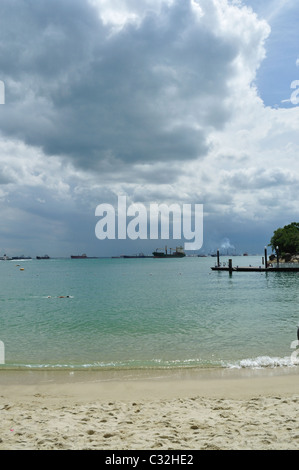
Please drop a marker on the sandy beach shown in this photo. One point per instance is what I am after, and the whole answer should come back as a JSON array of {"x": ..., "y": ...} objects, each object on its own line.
[{"x": 163, "y": 411}]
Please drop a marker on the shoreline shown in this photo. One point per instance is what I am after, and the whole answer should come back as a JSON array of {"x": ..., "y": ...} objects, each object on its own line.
[{"x": 169, "y": 410}]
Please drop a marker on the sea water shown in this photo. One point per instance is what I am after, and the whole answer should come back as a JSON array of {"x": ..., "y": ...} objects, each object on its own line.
[{"x": 145, "y": 313}]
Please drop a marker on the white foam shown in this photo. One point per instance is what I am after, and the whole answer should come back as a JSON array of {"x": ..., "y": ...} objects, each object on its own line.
[{"x": 262, "y": 362}]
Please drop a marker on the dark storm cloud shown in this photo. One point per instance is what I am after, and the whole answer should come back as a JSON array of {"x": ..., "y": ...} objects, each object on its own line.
[{"x": 150, "y": 92}]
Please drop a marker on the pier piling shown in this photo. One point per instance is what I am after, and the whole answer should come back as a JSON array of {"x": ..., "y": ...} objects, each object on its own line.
[{"x": 277, "y": 255}]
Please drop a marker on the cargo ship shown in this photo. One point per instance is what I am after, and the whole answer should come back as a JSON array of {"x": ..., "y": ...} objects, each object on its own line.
[
  {"x": 84, "y": 256},
  {"x": 140, "y": 255},
  {"x": 177, "y": 253}
]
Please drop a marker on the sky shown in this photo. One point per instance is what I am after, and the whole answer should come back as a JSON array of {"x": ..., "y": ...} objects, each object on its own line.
[{"x": 161, "y": 101}]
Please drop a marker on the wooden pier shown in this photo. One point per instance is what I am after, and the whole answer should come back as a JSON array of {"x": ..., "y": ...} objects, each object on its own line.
[
  {"x": 265, "y": 267},
  {"x": 255, "y": 269}
]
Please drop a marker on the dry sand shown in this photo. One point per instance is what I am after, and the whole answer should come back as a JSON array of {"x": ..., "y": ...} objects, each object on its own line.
[{"x": 175, "y": 411}]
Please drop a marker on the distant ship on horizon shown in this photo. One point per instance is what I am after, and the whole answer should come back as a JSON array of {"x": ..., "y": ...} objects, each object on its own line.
[
  {"x": 178, "y": 253},
  {"x": 140, "y": 255},
  {"x": 84, "y": 256},
  {"x": 14, "y": 258},
  {"x": 5, "y": 258}
]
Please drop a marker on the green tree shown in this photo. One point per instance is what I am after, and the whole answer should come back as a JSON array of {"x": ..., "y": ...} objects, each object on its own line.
[{"x": 287, "y": 239}]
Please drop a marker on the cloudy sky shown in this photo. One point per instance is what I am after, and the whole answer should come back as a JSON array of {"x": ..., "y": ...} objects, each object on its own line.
[{"x": 164, "y": 101}]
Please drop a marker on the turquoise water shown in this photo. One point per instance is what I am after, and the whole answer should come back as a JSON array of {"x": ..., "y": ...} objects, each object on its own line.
[{"x": 132, "y": 313}]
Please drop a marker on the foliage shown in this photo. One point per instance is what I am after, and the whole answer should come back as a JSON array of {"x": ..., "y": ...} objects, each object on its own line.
[{"x": 287, "y": 239}]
